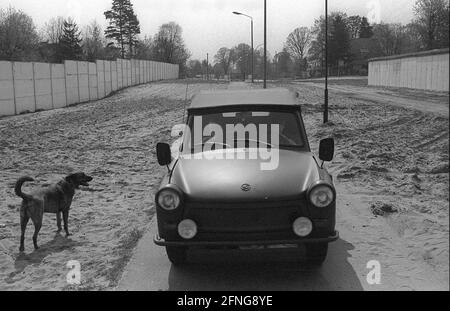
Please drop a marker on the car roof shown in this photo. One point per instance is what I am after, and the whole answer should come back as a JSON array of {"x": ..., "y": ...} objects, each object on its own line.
[{"x": 258, "y": 97}]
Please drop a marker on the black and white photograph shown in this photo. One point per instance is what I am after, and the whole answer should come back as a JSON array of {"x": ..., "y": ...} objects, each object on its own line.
[{"x": 224, "y": 150}]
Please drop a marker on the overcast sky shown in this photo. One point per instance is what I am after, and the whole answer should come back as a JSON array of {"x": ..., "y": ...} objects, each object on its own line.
[{"x": 209, "y": 24}]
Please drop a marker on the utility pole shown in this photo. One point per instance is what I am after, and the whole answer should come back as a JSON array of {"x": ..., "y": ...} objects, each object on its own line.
[
  {"x": 276, "y": 65},
  {"x": 265, "y": 44},
  {"x": 207, "y": 66},
  {"x": 325, "y": 112},
  {"x": 253, "y": 53}
]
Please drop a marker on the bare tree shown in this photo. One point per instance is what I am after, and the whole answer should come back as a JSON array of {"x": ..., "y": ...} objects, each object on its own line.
[
  {"x": 297, "y": 45},
  {"x": 18, "y": 36},
  {"x": 93, "y": 42},
  {"x": 432, "y": 22},
  {"x": 412, "y": 40},
  {"x": 390, "y": 38},
  {"x": 241, "y": 56},
  {"x": 224, "y": 58},
  {"x": 53, "y": 30},
  {"x": 169, "y": 45},
  {"x": 144, "y": 48},
  {"x": 298, "y": 42},
  {"x": 194, "y": 68}
]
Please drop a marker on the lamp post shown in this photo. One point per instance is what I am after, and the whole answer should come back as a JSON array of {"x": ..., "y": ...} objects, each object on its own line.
[
  {"x": 265, "y": 44},
  {"x": 251, "y": 18},
  {"x": 207, "y": 66},
  {"x": 256, "y": 49},
  {"x": 325, "y": 112}
]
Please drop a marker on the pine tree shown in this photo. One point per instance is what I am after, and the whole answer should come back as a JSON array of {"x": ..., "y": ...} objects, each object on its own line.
[
  {"x": 339, "y": 39},
  {"x": 365, "y": 30},
  {"x": 132, "y": 30},
  {"x": 69, "y": 43},
  {"x": 123, "y": 25}
]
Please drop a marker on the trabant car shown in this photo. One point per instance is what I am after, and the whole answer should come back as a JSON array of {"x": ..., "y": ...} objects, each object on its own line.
[{"x": 243, "y": 175}]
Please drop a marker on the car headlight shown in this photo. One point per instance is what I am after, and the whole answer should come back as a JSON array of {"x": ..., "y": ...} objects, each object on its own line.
[
  {"x": 302, "y": 226},
  {"x": 321, "y": 195},
  {"x": 169, "y": 199},
  {"x": 187, "y": 229}
]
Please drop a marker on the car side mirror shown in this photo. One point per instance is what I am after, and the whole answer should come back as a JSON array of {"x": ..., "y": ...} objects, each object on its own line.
[
  {"x": 326, "y": 150},
  {"x": 163, "y": 154}
]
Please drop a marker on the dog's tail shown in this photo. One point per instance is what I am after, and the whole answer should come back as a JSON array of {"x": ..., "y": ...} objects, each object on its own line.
[{"x": 18, "y": 188}]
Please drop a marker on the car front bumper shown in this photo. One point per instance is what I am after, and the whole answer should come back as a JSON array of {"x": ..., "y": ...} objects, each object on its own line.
[{"x": 161, "y": 242}]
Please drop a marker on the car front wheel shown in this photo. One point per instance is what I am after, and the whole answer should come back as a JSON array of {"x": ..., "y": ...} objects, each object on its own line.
[
  {"x": 177, "y": 255},
  {"x": 316, "y": 253}
]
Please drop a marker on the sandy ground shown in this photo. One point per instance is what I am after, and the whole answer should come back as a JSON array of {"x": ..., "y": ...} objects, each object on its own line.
[
  {"x": 391, "y": 168},
  {"x": 114, "y": 141},
  {"x": 396, "y": 160}
]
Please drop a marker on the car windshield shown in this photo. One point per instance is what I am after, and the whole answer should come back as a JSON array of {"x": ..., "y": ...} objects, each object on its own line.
[{"x": 243, "y": 129}]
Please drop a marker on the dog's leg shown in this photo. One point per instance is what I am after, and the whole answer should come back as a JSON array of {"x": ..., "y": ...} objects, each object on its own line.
[
  {"x": 23, "y": 225},
  {"x": 66, "y": 222},
  {"x": 37, "y": 228},
  {"x": 58, "y": 221}
]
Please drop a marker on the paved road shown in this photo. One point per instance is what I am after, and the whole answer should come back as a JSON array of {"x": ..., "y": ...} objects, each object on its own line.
[{"x": 344, "y": 269}]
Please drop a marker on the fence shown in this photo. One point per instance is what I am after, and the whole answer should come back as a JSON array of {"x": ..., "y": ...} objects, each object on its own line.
[
  {"x": 30, "y": 87},
  {"x": 427, "y": 70}
]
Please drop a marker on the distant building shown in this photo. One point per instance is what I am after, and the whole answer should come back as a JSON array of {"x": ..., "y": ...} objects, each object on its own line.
[{"x": 361, "y": 50}]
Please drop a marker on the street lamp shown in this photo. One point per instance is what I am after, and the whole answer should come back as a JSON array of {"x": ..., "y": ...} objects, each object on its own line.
[
  {"x": 207, "y": 66},
  {"x": 265, "y": 44},
  {"x": 325, "y": 112},
  {"x": 251, "y": 18}
]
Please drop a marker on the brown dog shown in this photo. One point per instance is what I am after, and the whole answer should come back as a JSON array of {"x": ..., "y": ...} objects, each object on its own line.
[{"x": 54, "y": 199}]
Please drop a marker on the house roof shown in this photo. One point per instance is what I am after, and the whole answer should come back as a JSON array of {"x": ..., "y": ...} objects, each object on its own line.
[{"x": 213, "y": 99}]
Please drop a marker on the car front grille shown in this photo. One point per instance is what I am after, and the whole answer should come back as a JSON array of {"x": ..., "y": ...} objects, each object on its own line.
[{"x": 243, "y": 219}]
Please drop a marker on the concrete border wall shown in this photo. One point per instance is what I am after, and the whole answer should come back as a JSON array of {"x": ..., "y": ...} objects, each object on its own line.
[
  {"x": 100, "y": 78},
  {"x": 427, "y": 70},
  {"x": 83, "y": 81},
  {"x": 114, "y": 76},
  {"x": 108, "y": 78},
  {"x": 42, "y": 86},
  {"x": 152, "y": 71},
  {"x": 29, "y": 87},
  {"x": 23, "y": 78},
  {"x": 72, "y": 89},
  {"x": 7, "y": 99},
  {"x": 119, "y": 74},
  {"x": 129, "y": 73},
  {"x": 93, "y": 81},
  {"x": 58, "y": 85}
]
